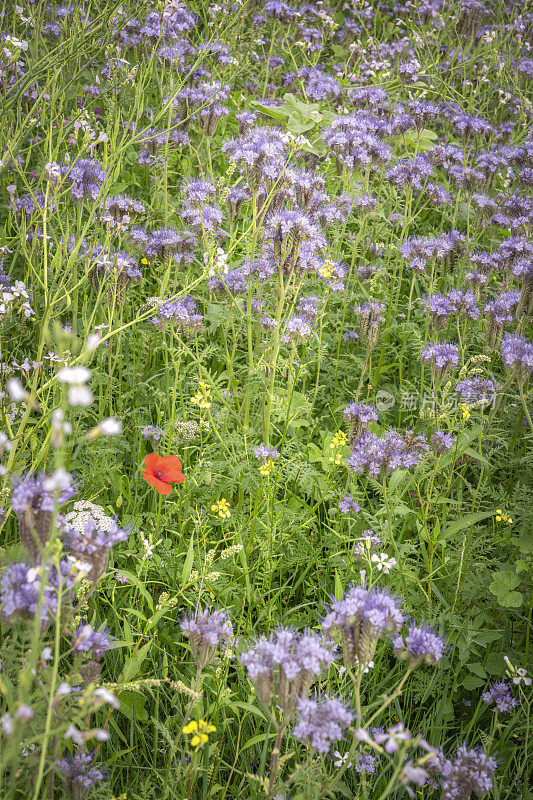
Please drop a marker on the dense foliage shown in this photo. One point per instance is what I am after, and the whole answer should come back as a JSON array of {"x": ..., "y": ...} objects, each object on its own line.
[{"x": 266, "y": 349}]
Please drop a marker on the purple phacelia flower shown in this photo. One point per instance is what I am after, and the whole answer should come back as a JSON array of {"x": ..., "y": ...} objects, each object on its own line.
[
  {"x": 499, "y": 695},
  {"x": 284, "y": 665},
  {"x": 369, "y": 540},
  {"x": 476, "y": 391},
  {"x": 85, "y": 178},
  {"x": 206, "y": 630},
  {"x": 322, "y": 722},
  {"x": 442, "y": 356},
  {"x": 383, "y": 454},
  {"x": 78, "y": 773},
  {"x": 266, "y": 452},
  {"x": 96, "y": 642},
  {"x": 34, "y": 500},
  {"x": 348, "y": 504},
  {"x": 92, "y": 544},
  {"x": 360, "y": 416},
  {"x": 517, "y": 354},
  {"x": 420, "y": 644},
  {"x": 362, "y": 617},
  {"x": 466, "y": 772},
  {"x": 441, "y": 441},
  {"x": 20, "y": 589}
]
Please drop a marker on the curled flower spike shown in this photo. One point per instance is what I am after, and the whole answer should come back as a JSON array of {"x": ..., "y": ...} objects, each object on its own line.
[{"x": 161, "y": 471}]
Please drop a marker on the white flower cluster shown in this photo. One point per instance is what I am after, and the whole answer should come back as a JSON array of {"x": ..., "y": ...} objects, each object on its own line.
[
  {"x": 84, "y": 512},
  {"x": 15, "y": 298}
]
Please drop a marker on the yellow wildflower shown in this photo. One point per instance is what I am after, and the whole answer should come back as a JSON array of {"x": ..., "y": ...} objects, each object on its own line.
[
  {"x": 200, "y": 732},
  {"x": 339, "y": 440},
  {"x": 266, "y": 468},
  {"x": 202, "y": 398},
  {"x": 221, "y": 507},
  {"x": 501, "y": 516}
]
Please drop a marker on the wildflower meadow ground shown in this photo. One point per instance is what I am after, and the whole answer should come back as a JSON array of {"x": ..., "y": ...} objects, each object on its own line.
[{"x": 266, "y": 399}]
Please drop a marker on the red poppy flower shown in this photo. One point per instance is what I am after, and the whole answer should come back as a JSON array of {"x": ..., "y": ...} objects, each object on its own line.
[{"x": 161, "y": 471}]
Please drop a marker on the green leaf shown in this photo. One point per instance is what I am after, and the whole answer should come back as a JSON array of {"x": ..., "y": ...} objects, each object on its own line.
[
  {"x": 477, "y": 669},
  {"x": 471, "y": 682},
  {"x": 503, "y": 585},
  {"x": 133, "y": 704},
  {"x": 278, "y": 113},
  {"x": 466, "y": 522},
  {"x": 339, "y": 591},
  {"x": 187, "y": 566},
  {"x": 133, "y": 664},
  {"x": 524, "y": 542}
]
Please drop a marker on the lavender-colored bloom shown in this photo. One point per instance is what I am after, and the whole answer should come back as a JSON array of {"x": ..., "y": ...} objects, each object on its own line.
[
  {"x": 20, "y": 589},
  {"x": 204, "y": 218},
  {"x": 305, "y": 186},
  {"x": 162, "y": 243},
  {"x": 288, "y": 229},
  {"x": 265, "y": 452},
  {"x": 499, "y": 694},
  {"x": 284, "y": 665},
  {"x": 245, "y": 121},
  {"x": 255, "y": 151},
  {"x": 30, "y": 204},
  {"x": 116, "y": 270},
  {"x": 441, "y": 441},
  {"x": 183, "y": 314},
  {"x": 498, "y": 312},
  {"x": 85, "y": 178},
  {"x": 420, "y": 250},
  {"x": 370, "y": 321},
  {"x": 466, "y": 772},
  {"x": 78, "y": 773},
  {"x": 87, "y": 640},
  {"x": 206, "y": 631},
  {"x": 297, "y": 329},
  {"x": 198, "y": 192},
  {"x": 92, "y": 544},
  {"x": 322, "y": 722},
  {"x": 442, "y": 356},
  {"x": 152, "y": 432},
  {"x": 119, "y": 206},
  {"x": 383, "y": 454},
  {"x": 319, "y": 85},
  {"x": 360, "y": 416},
  {"x": 420, "y": 644},
  {"x": 441, "y": 306},
  {"x": 361, "y": 617},
  {"x": 476, "y": 391},
  {"x": 523, "y": 271},
  {"x": 348, "y": 504},
  {"x": 33, "y": 500},
  {"x": 237, "y": 195},
  {"x": 517, "y": 354},
  {"x": 356, "y": 140},
  {"x": 365, "y": 764},
  {"x": 410, "y": 173}
]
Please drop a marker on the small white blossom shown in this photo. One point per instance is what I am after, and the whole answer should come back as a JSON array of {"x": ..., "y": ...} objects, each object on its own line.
[{"x": 78, "y": 394}]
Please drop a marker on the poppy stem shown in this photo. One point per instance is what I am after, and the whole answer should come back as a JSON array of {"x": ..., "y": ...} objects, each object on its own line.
[{"x": 159, "y": 511}]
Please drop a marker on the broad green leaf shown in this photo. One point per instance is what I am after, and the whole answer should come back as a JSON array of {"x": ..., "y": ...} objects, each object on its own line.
[
  {"x": 133, "y": 664},
  {"x": 466, "y": 522}
]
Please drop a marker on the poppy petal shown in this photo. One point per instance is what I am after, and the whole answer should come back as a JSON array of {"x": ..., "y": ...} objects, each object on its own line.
[
  {"x": 150, "y": 462},
  {"x": 159, "y": 486}
]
